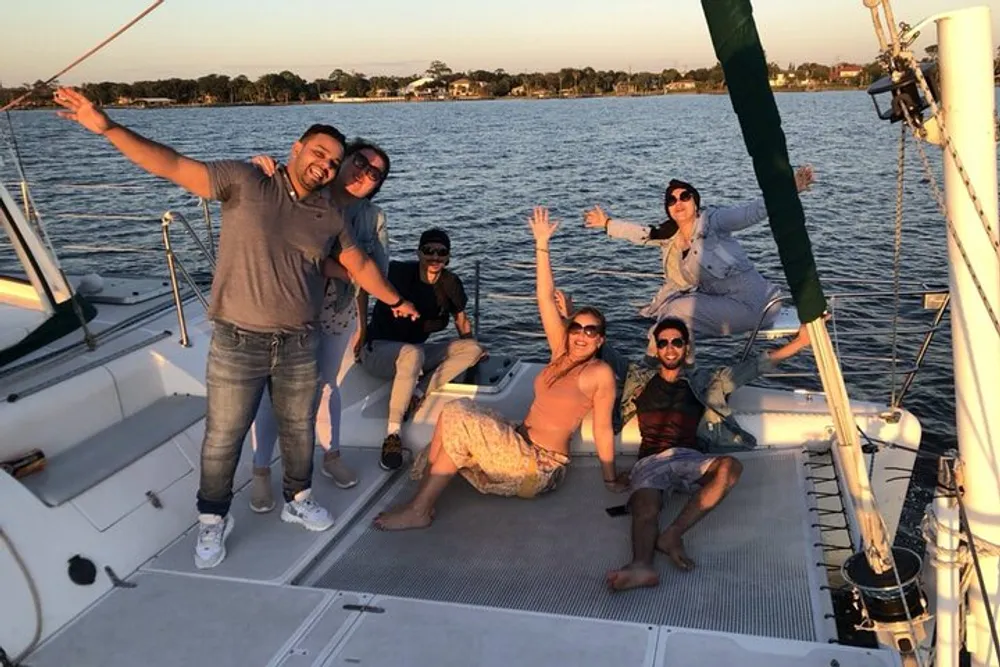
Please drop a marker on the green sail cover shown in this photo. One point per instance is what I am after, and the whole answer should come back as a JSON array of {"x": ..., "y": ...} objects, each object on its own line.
[{"x": 737, "y": 45}]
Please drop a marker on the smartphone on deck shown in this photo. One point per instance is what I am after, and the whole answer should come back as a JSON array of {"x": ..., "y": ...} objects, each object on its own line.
[{"x": 617, "y": 510}]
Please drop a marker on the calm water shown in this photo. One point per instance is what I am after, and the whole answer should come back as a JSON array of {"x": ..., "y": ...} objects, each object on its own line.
[{"x": 476, "y": 169}]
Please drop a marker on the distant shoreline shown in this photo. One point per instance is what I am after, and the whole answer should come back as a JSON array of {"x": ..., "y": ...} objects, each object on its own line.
[{"x": 378, "y": 100}]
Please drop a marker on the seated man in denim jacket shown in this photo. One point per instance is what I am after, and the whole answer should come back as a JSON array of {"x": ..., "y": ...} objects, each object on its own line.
[{"x": 682, "y": 415}]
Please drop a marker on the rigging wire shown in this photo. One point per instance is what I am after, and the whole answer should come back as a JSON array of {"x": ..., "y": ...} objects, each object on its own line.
[
  {"x": 88, "y": 336},
  {"x": 918, "y": 74},
  {"x": 897, "y": 262},
  {"x": 964, "y": 518},
  {"x": 950, "y": 224},
  {"x": 108, "y": 40}
]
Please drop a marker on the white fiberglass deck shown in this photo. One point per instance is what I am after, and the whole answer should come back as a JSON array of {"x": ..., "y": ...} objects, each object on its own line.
[
  {"x": 173, "y": 619},
  {"x": 262, "y": 547},
  {"x": 468, "y": 591}
]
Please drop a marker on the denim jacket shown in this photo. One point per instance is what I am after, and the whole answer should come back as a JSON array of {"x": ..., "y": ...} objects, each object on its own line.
[
  {"x": 718, "y": 430},
  {"x": 714, "y": 257},
  {"x": 367, "y": 223}
]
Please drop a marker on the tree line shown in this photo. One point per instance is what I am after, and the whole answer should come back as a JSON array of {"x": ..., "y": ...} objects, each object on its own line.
[{"x": 286, "y": 86}]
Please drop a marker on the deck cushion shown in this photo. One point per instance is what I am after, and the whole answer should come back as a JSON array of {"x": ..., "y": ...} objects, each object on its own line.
[{"x": 90, "y": 462}]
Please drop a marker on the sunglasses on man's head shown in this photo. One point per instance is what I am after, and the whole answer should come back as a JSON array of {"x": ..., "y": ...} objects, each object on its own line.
[
  {"x": 371, "y": 172},
  {"x": 589, "y": 330},
  {"x": 432, "y": 251},
  {"x": 673, "y": 342},
  {"x": 685, "y": 195}
]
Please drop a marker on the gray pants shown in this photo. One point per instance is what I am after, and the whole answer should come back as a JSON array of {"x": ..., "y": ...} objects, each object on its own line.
[{"x": 404, "y": 363}]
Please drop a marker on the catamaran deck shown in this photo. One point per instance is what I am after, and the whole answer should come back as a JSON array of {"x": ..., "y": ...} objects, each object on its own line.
[
  {"x": 494, "y": 581},
  {"x": 551, "y": 554}
]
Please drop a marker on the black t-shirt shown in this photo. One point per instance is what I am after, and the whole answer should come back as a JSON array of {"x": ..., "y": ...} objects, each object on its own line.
[
  {"x": 436, "y": 304},
  {"x": 669, "y": 414}
]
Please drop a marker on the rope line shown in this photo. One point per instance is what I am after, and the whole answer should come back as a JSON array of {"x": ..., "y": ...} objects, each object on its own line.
[
  {"x": 950, "y": 224},
  {"x": 33, "y": 590},
  {"x": 86, "y": 55},
  {"x": 946, "y": 137}
]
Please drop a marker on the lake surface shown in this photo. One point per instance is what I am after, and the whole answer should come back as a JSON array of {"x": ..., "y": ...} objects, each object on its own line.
[{"x": 477, "y": 168}]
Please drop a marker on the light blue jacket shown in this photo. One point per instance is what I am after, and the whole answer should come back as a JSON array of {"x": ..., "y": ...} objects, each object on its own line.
[
  {"x": 368, "y": 226},
  {"x": 715, "y": 256}
]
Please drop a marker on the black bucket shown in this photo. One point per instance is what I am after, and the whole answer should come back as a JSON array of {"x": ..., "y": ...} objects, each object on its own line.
[{"x": 882, "y": 597}]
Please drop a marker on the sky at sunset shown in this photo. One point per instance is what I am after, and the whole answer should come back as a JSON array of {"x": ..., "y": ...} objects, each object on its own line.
[{"x": 190, "y": 38}]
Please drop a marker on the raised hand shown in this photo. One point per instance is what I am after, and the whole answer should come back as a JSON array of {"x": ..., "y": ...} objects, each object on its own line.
[
  {"x": 265, "y": 163},
  {"x": 82, "y": 110},
  {"x": 595, "y": 218},
  {"x": 541, "y": 228},
  {"x": 804, "y": 177}
]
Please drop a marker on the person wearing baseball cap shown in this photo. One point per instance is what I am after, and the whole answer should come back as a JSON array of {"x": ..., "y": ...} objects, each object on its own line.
[{"x": 400, "y": 351}]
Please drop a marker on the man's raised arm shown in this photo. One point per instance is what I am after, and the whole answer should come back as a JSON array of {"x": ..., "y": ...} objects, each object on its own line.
[{"x": 155, "y": 158}]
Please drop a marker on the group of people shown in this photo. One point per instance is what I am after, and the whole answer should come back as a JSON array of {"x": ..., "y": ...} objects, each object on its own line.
[{"x": 301, "y": 248}]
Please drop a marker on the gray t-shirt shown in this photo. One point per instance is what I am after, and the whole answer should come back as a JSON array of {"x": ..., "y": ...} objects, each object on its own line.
[{"x": 268, "y": 274}]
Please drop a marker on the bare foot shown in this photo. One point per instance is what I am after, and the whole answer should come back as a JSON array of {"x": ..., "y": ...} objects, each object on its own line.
[
  {"x": 632, "y": 575},
  {"x": 671, "y": 544},
  {"x": 403, "y": 518}
]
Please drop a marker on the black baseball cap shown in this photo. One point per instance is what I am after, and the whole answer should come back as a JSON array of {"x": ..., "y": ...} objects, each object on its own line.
[{"x": 435, "y": 235}]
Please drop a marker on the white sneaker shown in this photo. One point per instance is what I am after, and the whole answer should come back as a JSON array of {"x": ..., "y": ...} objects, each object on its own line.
[
  {"x": 210, "y": 549},
  {"x": 307, "y": 512}
]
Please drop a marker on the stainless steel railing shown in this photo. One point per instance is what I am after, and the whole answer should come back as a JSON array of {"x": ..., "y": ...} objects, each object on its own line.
[{"x": 174, "y": 264}]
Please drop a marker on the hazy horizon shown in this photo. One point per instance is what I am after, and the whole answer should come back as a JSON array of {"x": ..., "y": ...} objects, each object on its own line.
[{"x": 188, "y": 39}]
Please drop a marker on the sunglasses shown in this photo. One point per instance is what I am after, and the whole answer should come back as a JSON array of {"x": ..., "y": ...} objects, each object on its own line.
[
  {"x": 679, "y": 343},
  {"x": 685, "y": 195},
  {"x": 431, "y": 251},
  {"x": 589, "y": 330},
  {"x": 370, "y": 172}
]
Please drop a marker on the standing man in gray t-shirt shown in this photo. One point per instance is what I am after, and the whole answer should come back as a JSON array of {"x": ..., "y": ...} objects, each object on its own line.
[{"x": 277, "y": 234}]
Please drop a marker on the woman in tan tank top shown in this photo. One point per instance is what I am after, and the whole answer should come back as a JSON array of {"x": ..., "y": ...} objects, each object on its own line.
[{"x": 500, "y": 457}]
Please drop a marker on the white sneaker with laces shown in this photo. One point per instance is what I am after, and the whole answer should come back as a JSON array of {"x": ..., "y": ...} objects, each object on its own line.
[
  {"x": 306, "y": 511},
  {"x": 210, "y": 549}
]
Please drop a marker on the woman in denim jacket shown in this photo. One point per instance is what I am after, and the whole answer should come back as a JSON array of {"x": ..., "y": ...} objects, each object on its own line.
[
  {"x": 359, "y": 179},
  {"x": 710, "y": 282}
]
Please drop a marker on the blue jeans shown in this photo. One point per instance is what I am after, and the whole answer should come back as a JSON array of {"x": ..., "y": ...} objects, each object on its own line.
[
  {"x": 240, "y": 364},
  {"x": 264, "y": 430}
]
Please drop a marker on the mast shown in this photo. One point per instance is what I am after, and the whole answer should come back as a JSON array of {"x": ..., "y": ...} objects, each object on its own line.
[
  {"x": 737, "y": 45},
  {"x": 965, "y": 52}
]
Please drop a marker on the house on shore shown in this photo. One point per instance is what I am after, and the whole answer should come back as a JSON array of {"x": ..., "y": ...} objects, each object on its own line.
[
  {"x": 145, "y": 102},
  {"x": 684, "y": 85},
  {"x": 845, "y": 73},
  {"x": 420, "y": 88},
  {"x": 467, "y": 88}
]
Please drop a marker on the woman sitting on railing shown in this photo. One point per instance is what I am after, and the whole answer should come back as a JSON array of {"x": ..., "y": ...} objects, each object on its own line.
[
  {"x": 360, "y": 177},
  {"x": 710, "y": 283},
  {"x": 503, "y": 458}
]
